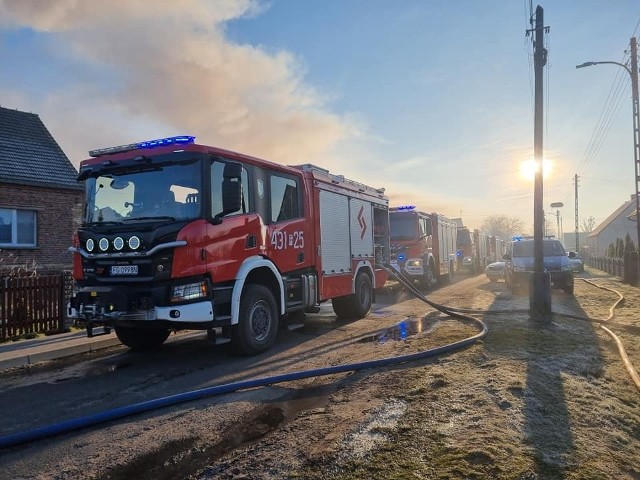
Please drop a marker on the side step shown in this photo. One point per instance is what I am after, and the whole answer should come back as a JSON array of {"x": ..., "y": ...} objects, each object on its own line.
[
  {"x": 105, "y": 331},
  {"x": 215, "y": 336}
]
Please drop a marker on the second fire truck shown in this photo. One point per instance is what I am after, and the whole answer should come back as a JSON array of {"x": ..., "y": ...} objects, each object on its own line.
[{"x": 423, "y": 245}]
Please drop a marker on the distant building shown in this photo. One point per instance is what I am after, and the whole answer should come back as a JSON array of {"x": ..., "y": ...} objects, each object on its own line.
[
  {"x": 39, "y": 194},
  {"x": 569, "y": 240},
  {"x": 617, "y": 225}
]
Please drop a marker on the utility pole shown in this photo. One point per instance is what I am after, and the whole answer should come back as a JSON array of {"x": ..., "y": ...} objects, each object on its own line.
[
  {"x": 636, "y": 146},
  {"x": 632, "y": 70},
  {"x": 575, "y": 181},
  {"x": 540, "y": 283}
]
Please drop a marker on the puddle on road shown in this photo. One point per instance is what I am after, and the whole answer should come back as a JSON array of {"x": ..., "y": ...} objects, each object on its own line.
[
  {"x": 401, "y": 330},
  {"x": 187, "y": 457}
]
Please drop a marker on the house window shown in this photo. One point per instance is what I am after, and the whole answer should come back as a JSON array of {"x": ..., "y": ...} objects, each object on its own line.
[{"x": 17, "y": 228}]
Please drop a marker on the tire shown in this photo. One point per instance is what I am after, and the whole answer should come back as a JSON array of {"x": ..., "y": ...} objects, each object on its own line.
[
  {"x": 257, "y": 326},
  {"x": 142, "y": 339},
  {"x": 357, "y": 305}
]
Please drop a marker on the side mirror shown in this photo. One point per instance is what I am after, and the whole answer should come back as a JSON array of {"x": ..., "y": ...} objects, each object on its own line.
[
  {"x": 572, "y": 254},
  {"x": 231, "y": 190}
]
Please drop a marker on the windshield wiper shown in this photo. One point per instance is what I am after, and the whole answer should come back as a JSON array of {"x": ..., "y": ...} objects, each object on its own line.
[{"x": 159, "y": 217}]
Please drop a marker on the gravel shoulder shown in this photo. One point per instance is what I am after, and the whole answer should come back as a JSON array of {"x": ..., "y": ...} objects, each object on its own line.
[{"x": 527, "y": 402}]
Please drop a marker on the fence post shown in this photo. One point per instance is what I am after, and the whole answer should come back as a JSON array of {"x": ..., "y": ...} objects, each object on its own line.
[{"x": 61, "y": 308}]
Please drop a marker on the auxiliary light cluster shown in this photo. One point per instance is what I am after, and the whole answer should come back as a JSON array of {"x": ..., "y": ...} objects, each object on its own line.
[{"x": 117, "y": 243}]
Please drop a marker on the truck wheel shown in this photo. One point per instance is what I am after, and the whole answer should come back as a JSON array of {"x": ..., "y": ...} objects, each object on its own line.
[
  {"x": 258, "y": 322},
  {"x": 357, "y": 305},
  {"x": 141, "y": 339}
]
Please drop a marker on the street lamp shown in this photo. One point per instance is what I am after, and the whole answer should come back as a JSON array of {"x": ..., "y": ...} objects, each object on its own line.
[
  {"x": 633, "y": 73},
  {"x": 557, "y": 206}
]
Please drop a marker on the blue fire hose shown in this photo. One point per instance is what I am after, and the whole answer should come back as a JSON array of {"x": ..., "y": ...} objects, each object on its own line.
[{"x": 162, "y": 402}]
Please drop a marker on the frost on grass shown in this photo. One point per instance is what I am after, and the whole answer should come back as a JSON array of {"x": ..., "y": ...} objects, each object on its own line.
[{"x": 373, "y": 432}]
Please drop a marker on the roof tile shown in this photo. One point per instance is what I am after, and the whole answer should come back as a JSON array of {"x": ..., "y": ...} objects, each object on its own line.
[{"x": 30, "y": 155}]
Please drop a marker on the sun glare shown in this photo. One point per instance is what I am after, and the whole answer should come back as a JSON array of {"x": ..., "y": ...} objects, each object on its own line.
[{"x": 528, "y": 169}]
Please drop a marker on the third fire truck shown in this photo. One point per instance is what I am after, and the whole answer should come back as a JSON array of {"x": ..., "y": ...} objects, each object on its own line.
[
  {"x": 423, "y": 245},
  {"x": 178, "y": 235}
]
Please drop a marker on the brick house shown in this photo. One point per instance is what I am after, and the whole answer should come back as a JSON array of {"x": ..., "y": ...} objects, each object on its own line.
[{"x": 39, "y": 195}]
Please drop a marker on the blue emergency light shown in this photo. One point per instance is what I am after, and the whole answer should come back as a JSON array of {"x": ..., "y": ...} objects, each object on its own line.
[
  {"x": 406, "y": 207},
  {"x": 158, "y": 142},
  {"x": 180, "y": 139}
]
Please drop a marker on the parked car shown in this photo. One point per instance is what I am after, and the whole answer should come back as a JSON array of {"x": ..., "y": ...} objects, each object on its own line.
[
  {"x": 519, "y": 264},
  {"x": 576, "y": 261},
  {"x": 495, "y": 271}
]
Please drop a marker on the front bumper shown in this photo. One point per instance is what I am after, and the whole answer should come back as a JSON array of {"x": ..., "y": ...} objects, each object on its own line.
[
  {"x": 559, "y": 279},
  {"x": 138, "y": 306},
  {"x": 411, "y": 267},
  {"x": 199, "y": 312}
]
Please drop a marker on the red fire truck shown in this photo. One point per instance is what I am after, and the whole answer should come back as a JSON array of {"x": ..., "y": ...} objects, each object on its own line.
[
  {"x": 466, "y": 252},
  {"x": 423, "y": 245},
  {"x": 178, "y": 235}
]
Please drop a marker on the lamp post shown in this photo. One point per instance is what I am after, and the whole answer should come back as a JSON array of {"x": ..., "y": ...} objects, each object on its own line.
[{"x": 633, "y": 73}]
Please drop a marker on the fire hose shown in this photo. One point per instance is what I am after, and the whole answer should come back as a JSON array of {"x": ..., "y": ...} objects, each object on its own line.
[{"x": 162, "y": 402}]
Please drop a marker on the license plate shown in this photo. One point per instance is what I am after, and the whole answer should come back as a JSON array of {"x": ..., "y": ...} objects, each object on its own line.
[{"x": 124, "y": 270}]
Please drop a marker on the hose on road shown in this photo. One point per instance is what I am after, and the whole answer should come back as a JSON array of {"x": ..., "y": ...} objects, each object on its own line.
[{"x": 162, "y": 402}]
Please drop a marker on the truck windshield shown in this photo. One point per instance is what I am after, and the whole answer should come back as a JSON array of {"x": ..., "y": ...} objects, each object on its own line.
[
  {"x": 551, "y": 248},
  {"x": 403, "y": 226},
  {"x": 164, "y": 193},
  {"x": 464, "y": 237}
]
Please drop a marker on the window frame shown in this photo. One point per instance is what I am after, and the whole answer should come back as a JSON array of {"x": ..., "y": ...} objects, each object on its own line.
[
  {"x": 271, "y": 174},
  {"x": 245, "y": 179},
  {"x": 14, "y": 229}
]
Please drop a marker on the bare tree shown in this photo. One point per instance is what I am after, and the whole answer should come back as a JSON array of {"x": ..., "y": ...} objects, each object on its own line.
[
  {"x": 502, "y": 226},
  {"x": 589, "y": 224}
]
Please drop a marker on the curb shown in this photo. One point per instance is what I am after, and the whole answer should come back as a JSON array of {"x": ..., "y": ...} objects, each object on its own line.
[{"x": 23, "y": 357}]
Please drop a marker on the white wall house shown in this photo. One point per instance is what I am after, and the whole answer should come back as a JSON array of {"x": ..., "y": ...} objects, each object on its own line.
[{"x": 615, "y": 226}]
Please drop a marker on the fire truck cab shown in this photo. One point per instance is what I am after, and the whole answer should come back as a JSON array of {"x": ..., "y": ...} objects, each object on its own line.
[
  {"x": 178, "y": 235},
  {"x": 423, "y": 245}
]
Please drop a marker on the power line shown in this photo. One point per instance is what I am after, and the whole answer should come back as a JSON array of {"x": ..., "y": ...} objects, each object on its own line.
[{"x": 609, "y": 109}]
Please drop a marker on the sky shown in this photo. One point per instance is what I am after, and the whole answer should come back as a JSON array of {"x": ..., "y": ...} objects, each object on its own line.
[{"x": 430, "y": 99}]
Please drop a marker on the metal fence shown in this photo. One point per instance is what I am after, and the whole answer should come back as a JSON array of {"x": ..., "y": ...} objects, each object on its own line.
[
  {"x": 32, "y": 304},
  {"x": 625, "y": 268}
]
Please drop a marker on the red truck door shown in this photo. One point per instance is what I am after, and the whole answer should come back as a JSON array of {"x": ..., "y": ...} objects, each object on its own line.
[{"x": 289, "y": 231}]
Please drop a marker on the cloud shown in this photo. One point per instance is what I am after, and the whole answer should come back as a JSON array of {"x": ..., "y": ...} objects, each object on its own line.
[{"x": 165, "y": 67}]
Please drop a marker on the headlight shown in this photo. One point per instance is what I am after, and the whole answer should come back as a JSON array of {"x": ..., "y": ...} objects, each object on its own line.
[
  {"x": 190, "y": 291},
  {"x": 134, "y": 243},
  {"x": 103, "y": 244},
  {"x": 90, "y": 245},
  {"x": 414, "y": 263},
  {"x": 118, "y": 243}
]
